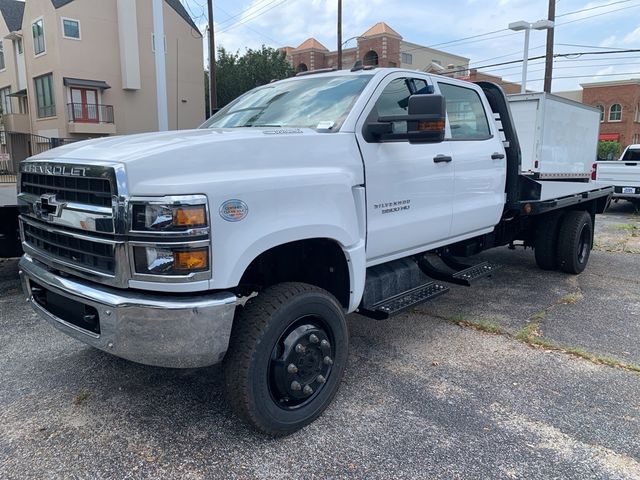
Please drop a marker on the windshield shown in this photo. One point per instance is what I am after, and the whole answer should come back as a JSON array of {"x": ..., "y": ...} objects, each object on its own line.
[{"x": 306, "y": 102}]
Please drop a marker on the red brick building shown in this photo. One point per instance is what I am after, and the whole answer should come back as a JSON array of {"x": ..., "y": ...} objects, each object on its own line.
[
  {"x": 379, "y": 46},
  {"x": 619, "y": 104}
]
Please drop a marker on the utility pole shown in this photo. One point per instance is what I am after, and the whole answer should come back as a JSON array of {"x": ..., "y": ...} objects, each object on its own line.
[
  {"x": 548, "y": 68},
  {"x": 213, "y": 88},
  {"x": 339, "y": 34},
  {"x": 161, "y": 66}
]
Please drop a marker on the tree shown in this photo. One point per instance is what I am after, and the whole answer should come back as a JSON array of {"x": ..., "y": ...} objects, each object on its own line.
[
  {"x": 609, "y": 150},
  {"x": 238, "y": 73}
]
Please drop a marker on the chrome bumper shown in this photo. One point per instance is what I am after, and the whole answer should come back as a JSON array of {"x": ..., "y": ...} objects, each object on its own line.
[{"x": 161, "y": 330}]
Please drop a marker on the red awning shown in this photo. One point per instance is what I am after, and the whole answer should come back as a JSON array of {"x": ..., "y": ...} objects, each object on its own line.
[{"x": 609, "y": 137}]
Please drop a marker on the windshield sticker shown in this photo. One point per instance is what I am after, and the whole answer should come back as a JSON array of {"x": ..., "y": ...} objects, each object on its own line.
[
  {"x": 234, "y": 210},
  {"x": 325, "y": 125},
  {"x": 284, "y": 131}
]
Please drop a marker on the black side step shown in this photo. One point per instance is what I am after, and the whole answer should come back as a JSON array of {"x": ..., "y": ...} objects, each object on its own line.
[
  {"x": 455, "y": 271},
  {"x": 404, "y": 301}
]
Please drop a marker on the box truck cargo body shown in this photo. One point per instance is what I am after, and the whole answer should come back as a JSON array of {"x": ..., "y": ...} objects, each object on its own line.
[{"x": 558, "y": 137}]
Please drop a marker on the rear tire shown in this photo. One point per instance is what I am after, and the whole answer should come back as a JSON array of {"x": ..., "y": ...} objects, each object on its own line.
[
  {"x": 546, "y": 241},
  {"x": 575, "y": 241},
  {"x": 287, "y": 355}
]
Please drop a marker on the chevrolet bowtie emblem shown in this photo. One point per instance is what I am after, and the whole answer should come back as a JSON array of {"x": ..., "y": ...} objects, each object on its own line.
[{"x": 47, "y": 207}]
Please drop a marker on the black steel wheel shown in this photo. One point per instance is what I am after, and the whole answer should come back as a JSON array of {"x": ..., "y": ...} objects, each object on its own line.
[
  {"x": 575, "y": 241},
  {"x": 286, "y": 357}
]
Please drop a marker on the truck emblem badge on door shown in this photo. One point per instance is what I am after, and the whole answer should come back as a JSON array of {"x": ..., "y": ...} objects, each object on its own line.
[{"x": 234, "y": 210}]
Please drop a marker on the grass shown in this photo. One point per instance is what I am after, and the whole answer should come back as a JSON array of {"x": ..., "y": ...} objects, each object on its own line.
[
  {"x": 627, "y": 226},
  {"x": 570, "y": 299},
  {"x": 81, "y": 397},
  {"x": 487, "y": 326}
]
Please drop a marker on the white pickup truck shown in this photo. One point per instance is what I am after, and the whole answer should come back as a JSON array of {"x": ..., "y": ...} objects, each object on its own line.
[
  {"x": 247, "y": 241},
  {"x": 623, "y": 174}
]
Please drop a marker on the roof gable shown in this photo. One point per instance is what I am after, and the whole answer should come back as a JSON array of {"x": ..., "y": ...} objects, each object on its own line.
[
  {"x": 381, "y": 28},
  {"x": 311, "y": 44},
  {"x": 175, "y": 4},
  {"x": 12, "y": 12}
]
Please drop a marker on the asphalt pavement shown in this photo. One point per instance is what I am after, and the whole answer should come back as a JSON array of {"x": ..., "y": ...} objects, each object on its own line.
[{"x": 552, "y": 393}]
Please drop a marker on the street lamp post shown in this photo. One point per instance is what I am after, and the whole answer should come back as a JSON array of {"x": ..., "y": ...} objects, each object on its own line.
[{"x": 527, "y": 27}]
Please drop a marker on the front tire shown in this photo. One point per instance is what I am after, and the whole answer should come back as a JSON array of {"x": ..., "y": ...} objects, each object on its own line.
[
  {"x": 287, "y": 355},
  {"x": 575, "y": 241}
]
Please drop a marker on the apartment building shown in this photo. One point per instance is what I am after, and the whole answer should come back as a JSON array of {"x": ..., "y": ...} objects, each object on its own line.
[
  {"x": 86, "y": 68},
  {"x": 379, "y": 46}
]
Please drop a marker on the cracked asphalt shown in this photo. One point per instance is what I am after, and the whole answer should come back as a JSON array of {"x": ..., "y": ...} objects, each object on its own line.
[{"x": 423, "y": 396}]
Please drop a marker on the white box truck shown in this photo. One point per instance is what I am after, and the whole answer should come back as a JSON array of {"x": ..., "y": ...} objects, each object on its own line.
[{"x": 558, "y": 137}]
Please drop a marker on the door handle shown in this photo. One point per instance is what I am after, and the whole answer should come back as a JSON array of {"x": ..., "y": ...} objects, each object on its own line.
[
  {"x": 442, "y": 159},
  {"x": 497, "y": 156}
]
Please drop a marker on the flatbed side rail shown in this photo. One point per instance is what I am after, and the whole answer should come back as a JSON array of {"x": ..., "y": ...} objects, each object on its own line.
[{"x": 537, "y": 207}]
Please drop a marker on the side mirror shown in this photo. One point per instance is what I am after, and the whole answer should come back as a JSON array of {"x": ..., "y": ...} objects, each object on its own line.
[{"x": 425, "y": 122}]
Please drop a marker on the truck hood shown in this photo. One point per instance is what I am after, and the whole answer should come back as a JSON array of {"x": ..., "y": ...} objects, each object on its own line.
[
  {"x": 191, "y": 161},
  {"x": 128, "y": 149}
]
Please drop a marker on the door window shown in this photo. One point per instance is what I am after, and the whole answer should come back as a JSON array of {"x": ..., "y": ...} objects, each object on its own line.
[
  {"x": 84, "y": 103},
  {"x": 467, "y": 117},
  {"x": 394, "y": 99}
]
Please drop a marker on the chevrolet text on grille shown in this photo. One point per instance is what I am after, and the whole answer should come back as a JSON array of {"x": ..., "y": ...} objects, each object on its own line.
[{"x": 64, "y": 170}]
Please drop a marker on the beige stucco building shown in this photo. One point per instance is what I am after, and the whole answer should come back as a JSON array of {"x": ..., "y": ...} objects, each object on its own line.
[{"x": 86, "y": 68}]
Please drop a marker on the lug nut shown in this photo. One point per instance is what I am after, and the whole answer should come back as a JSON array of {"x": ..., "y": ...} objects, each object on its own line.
[
  {"x": 324, "y": 344},
  {"x": 313, "y": 338},
  {"x": 292, "y": 368},
  {"x": 307, "y": 390},
  {"x": 300, "y": 348},
  {"x": 321, "y": 379},
  {"x": 328, "y": 361},
  {"x": 296, "y": 387}
]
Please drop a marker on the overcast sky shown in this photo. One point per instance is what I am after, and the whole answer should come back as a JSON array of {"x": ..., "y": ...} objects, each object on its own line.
[{"x": 598, "y": 24}]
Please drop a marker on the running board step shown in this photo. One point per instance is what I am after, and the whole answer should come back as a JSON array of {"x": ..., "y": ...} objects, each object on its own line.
[
  {"x": 404, "y": 301},
  {"x": 484, "y": 269}
]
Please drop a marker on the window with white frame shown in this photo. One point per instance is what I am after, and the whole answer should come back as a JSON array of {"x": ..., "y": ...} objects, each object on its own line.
[
  {"x": 615, "y": 112},
  {"x": 37, "y": 31},
  {"x": 407, "y": 58},
  {"x": 5, "y": 100},
  {"x": 601, "y": 108},
  {"x": 637, "y": 117},
  {"x": 71, "y": 28},
  {"x": 2, "y": 64},
  {"x": 45, "y": 96}
]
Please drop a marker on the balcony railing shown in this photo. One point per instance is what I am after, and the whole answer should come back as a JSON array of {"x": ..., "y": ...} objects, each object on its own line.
[{"x": 90, "y": 113}]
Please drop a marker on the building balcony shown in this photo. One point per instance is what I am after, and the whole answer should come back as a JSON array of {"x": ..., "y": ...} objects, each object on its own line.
[
  {"x": 91, "y": 119},
  {"x": 16, "y": 122}
]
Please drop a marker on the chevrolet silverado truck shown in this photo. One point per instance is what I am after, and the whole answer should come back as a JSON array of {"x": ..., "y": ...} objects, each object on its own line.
[
  {"x": 623, "y": 174},
  {"x": 247, "y": 241}
]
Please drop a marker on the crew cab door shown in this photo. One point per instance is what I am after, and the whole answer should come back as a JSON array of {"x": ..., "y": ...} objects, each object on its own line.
[
  {"x": 409, "y": 187},
  {"x": 478, "y": 158}
]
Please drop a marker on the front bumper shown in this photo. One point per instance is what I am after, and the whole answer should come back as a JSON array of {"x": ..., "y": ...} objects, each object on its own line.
[{"x": 163, "y": 330}]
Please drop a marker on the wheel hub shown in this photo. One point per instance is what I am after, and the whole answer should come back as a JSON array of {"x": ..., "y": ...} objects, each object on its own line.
[{"x": 301, "y": 362}]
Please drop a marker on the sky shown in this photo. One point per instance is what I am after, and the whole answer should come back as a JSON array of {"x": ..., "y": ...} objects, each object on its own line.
[{"x": 581, "y": 26}]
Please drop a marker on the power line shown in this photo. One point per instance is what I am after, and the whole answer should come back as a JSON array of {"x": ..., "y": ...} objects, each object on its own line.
[
  {"x": 598, "y": 15},
  {"x": 592, "y": 8},
  {"x": 253, "y": 15},
  {"x": 252, "y": 7}
]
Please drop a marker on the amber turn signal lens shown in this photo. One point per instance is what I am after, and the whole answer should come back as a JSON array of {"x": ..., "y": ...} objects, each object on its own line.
[
  {"x": 436, "y": 125},
  {"x": 192, "y": 260},
  {"x": 191, "y": 216}
]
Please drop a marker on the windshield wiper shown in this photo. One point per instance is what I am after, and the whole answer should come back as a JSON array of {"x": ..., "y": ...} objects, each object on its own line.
[{"x": 271, "y": 125}]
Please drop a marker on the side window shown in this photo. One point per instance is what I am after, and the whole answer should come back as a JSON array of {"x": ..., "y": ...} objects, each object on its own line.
[
  {"x": 394, "y": 99},
  {"x": 467, "y": 117}
]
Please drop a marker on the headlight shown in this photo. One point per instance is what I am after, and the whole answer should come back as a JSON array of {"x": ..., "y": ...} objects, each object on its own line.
[
  {"x": 171, "y": 261},
  {"x": 154, "y": 217}
]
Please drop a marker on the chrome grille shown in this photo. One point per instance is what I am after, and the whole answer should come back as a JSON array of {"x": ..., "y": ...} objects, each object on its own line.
[
  {"x": 71, "y": 249},
  {"x": 88, "y": 191}
]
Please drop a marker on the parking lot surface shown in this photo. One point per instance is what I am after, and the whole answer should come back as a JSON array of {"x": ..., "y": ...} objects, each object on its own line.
[{"x": 529, "y": 374}]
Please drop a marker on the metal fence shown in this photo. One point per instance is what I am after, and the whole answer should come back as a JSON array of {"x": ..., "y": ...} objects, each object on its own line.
[{"x": 15, "y": 147}]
